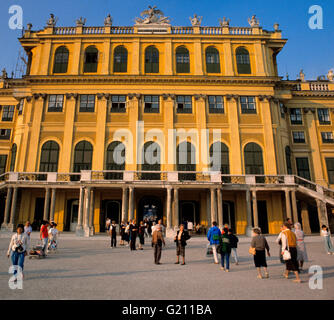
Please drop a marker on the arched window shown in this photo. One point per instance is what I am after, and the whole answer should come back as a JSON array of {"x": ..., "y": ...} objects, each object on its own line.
[
  {"x": 220, "y": 158},
  {"x": 186, "y": 160},
  {"x": 151, "y": 160},
  {"x": 212, "y": 60},
  {"x": 288, "y": 159},
  {"x": 49, "y": 157},
  {"x": 91, "y": 58},
  {"x": 13, "y": 157},
  {"x": 151, "y": 60},
  {"x": 120, "y": 59},
  {"x": 83, "y": 154},
  {"x": 253, "y": 159},
  {"x": 182, "y": 60},
  {"x": 61, "y": 60},
  {"x": 243, "y": 61},
  {"x": 115, "y": 160}
]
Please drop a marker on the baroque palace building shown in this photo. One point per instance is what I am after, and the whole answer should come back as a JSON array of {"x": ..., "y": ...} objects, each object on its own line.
[{"x": 168, "y": 100}]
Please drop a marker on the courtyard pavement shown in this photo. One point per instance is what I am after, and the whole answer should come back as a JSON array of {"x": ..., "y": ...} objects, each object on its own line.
[{"x": 90, "y": 269}]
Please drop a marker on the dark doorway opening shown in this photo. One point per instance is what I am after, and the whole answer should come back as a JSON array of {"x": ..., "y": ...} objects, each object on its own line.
[
  {"x": 72, "y": 209},
  {"x": 38, "y": 215},
  {"x": 2, "y": 208},
  {"x": 229, "y": 214},
  {"x": 189, "y": 211},
  {"x": 150, "y": 208},
  {"x": 313, "y": 218},
  {"x": 263, "y": 216},
  {"x": 110, "y": 209}
]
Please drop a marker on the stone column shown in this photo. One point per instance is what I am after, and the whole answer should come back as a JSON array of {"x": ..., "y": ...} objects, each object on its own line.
[
  {"x": 288, "y": 204},
  {"x": 91, "y": 213},
  {"x": 87, "y": 210},
  {"x": 305, "y": 218},
  {"x": 131, "y": 203},
  {"x": 53, "y": 204},
  {"x": 220, "y": 207},
  {"x": 255, "y": 213},
  {"x": 12, "y": 219},
  {"x": 213, "y": 205},
  {"x": 322, "y": 213},
  {"x": 7, "y": 208},
  {"x": 168, "y": 210},
  {"x": 79, "y": 227},
  {"x": 208, "y": 210},
  {"x": 249, "y": 214},
  {"x": 294, "y": 206},
  {"x": 46, "y": 204},
  {"x": 124, "y": 201},
  {"x": 176, "y": 208}
]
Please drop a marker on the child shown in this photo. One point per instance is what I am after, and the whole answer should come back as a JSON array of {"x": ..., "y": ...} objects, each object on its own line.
[
  {"x": 327, "y": 238},
  {"x": 53, "y": 233},
  {"x": 234, "y": 245}
]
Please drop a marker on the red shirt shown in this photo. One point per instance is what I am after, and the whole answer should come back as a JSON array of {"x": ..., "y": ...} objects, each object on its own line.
[{"x": 44, "y": 230}]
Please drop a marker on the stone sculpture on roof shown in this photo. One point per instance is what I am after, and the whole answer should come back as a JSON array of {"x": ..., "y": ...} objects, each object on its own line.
[{"x": 152, "y": 16}]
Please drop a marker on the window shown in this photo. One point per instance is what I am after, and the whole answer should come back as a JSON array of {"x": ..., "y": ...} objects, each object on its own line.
[
  {"x": 115, "y": 160},
  {"x": 253, "y": 159},
  {"x": 327, "y": 137},
  {"x": 8, "y": 113},
  {"x": 212, "y": 60},
  {"x": 303, "y": 169},
  {"x": 61, "y": 60},
  {"x": 13, "y": 157},
  {"x": 282, "y": 110},
  {"x": 83, "y": 154},
  {"x": 323, "y": 116},
  {"x": 5, "y": 134},
  {"x": 182, "y": 60},
  {"x": 243, "y": 61},
  {"x": 21, "y": 106},
  {"x": 49, "y": 157},
  {"x": 330, "y": 169},
  {"x": 184, "y": 104},
  {"x": 186, "y": 161},
  {"x": 120, "y": 59},
  {"x": 87, "y": 103},
  {"x": 151, "y": 60},
  {"x": 248, "y": 105},
  {"x": 118, "y": 104},
  {"x": 151, "y": 161},
  {"x": 296, "y": 116},
  {"x": 55, "y": 103},
  {"x": 91, "y": 58},
  {"x": 216, "y": 104},
  {"x": 288, "y": 159},
  {"x": 298, "y": 136},
  {"x": 220, "y": 158},
  {"x": 3, "y": 161},
  {"x": 151, "y": 104}
]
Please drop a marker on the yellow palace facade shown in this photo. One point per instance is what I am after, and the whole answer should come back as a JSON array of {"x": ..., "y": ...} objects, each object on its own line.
[{"x": 128, "y": 122}]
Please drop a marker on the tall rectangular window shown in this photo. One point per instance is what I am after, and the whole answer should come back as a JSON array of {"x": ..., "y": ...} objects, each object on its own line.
[
  {"x": 184, "y": 104},
  {"x": 323, "y": 116},
  {"x": 303, "y": 168},
  {"x": 216, "y": 104},
  {"x": 118, "y": 104},
  {"x": 87, "y": 103},
  {"x": 3, "y": 162},
  {"x": 327, "y": 137},
  {"x": 330, "y": 169},
  {"x": 282, "y": 110},
  {"x": 151, "y": 104},
  {"x": 248, "y": 104},
  {"x": 55, "y": 103},
  {"x": 298, "y": 136},
  {"x": 8, "y": 113},
  {"x": 5, "y": 134},
  {"x": 296, "y": 116},
  {"x": 21, "y": 106}
]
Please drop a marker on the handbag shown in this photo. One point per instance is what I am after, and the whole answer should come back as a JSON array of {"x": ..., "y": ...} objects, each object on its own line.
[
  {"x": 209, "y": 251},
  {"x": 286, "y": 253},
  {"x": 252, "y": 251}
]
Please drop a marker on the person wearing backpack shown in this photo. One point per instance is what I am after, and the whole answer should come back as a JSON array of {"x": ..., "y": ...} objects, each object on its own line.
[
  {"x": 213, "y": 236},
  {"x": 225, "y": 250},
  {"x": 234, "y": 245}
]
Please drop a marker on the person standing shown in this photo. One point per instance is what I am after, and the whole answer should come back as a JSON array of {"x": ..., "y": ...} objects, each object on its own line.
[
  {"x": 181, "y": 241},
  {"x": 289, "y": 243},
  {"x": 162, "y": 226},
  {"x": 133, "y": 235},
  {"x": 260, "y": 244},
  {"x": 113, "y": 234},
  {"x": 234, "y": 245},
  {"x": 53, "y": 234},
  {"x": 225, "y": 250},
  {"x": 122, "y": 233},
  {"x": 301, "y": 247},
  {"x": 17, "y": 249},
  {"x": 141, "y": 235},
  {"x": 213, "y": 236},
  {"x": 44, "y": 235},
  {"x": 108, "y": 222},
  {"x": 157, "y": 242},
  {"x": 127, "y": 233},
  {"x": 327, "y": 240},
  {"x": 28, "y": 231}
]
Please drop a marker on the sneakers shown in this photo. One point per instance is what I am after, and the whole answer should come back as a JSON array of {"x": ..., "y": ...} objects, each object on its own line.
[
  {"x": 227, "y": 270},
  {"x": 221, "y": 268},
  {"x": 266, "y": 275},
  {"x": 259, "y": 276}
]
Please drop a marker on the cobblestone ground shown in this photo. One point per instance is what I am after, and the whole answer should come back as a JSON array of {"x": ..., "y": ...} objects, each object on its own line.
[{"x": 90, "y": 269}]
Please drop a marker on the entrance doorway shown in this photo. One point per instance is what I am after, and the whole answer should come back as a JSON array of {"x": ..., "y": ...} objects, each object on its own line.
[
  {"x": 38, "y": 215},
  {"x": 110, "y": 209},
  {"x": 72, "y": 210},
  {"x": 189, "y": 211},
  {"x": 263, "y": 216},
  {"x": 150, "y": 208},
  {"x": 229, "y": 214}
]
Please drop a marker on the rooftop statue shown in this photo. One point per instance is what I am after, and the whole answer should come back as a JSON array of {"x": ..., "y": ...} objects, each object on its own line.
[
  {"x": 253, "y": 22},
  {"x": 51, "y": 22},
  {"x": 4, "y": 74},
  {"x": 80, "y": 22},
  {"x": 196, "y": 20},
  {"x": 152, "y": 16},
  {"x": 330, "y": 75},
  {"x": 302, "y": 75},
  {"x": 225, "y": 22},
  {"x": 108, "y": 21},
  {"x": 29, "y": 26}
]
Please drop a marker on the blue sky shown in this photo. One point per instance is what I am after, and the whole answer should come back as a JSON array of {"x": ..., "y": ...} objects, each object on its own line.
[{"x": 309, "y": 49}]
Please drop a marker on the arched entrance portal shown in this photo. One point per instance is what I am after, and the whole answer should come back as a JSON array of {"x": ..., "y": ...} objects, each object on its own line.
[
  {"x": 189, "y": 211},
  {"x": 110, "y": 209},
  {"x": 150, "y": 208}
]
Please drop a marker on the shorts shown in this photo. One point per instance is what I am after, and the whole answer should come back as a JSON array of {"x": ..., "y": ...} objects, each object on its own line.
[{"x": 180, "y": 250}]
